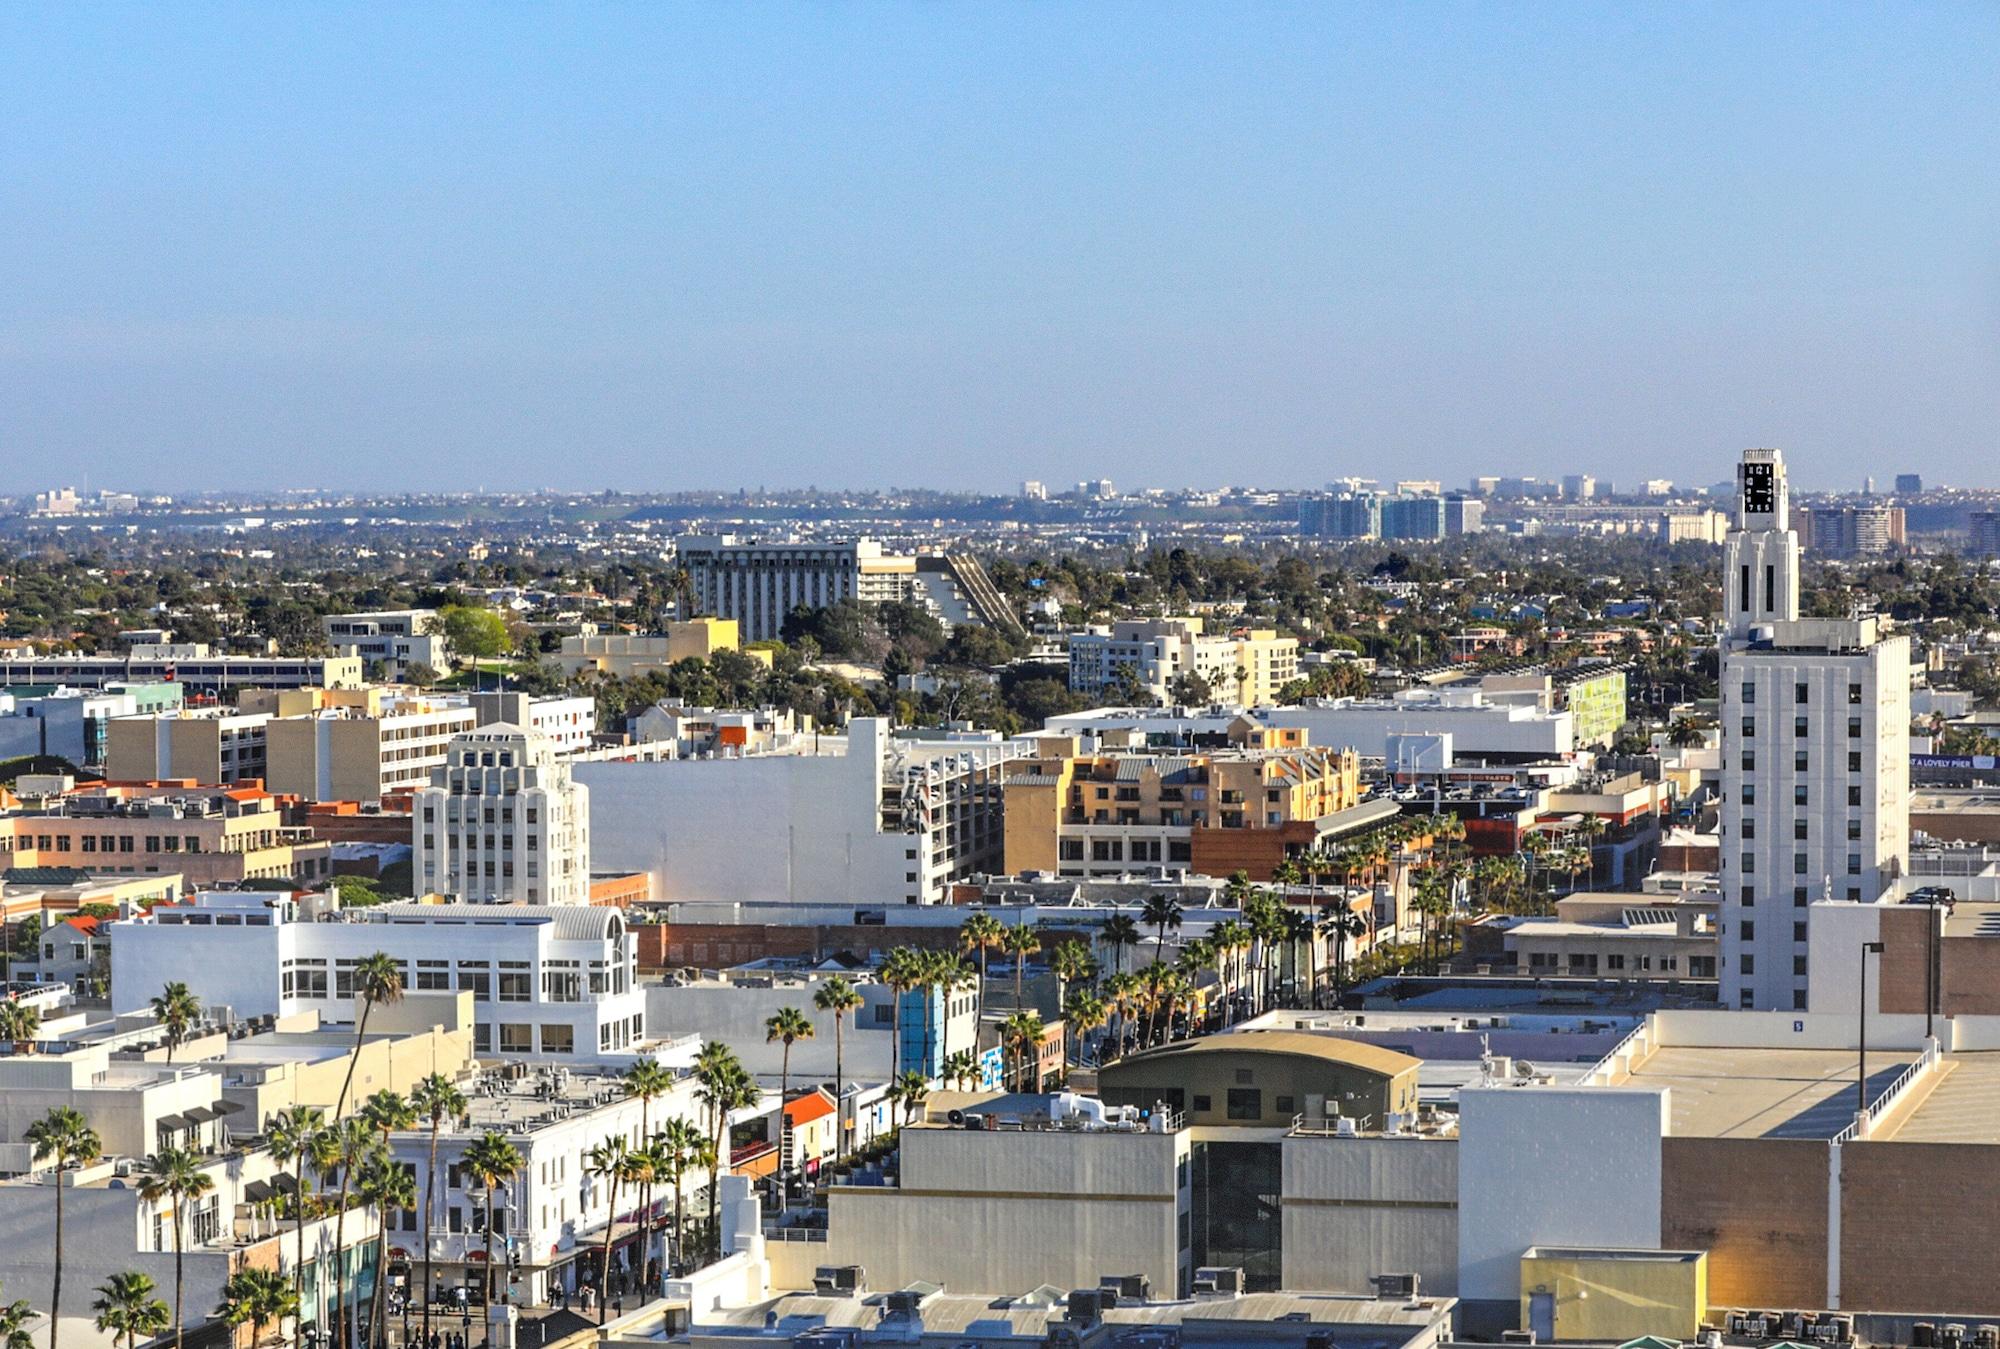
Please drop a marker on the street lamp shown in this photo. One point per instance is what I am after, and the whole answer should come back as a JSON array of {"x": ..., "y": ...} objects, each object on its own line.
[{"x": 1868, "y": 948}]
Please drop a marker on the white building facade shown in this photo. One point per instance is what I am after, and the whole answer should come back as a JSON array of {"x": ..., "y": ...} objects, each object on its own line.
[
  {"x": 503, "y": 822},
  {"x": 547, "y": 983},
  {"x": 1815, "y": 753}
]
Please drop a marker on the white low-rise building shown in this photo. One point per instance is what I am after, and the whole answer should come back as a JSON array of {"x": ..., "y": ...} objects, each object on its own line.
[{"x": 553, "y": 983}]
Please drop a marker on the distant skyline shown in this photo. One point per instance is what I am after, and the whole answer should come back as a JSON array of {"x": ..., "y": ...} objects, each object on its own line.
[{"x": 663, "y": 248}]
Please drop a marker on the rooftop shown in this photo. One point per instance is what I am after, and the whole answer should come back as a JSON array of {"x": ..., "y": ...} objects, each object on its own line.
[{"x": 1741, "y": 1092}]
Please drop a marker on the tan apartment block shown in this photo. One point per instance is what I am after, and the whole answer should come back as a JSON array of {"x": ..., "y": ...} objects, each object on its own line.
[{"x": 209, "y": 838}]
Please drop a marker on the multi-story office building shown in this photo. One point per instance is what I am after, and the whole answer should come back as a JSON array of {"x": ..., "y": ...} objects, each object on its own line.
[
  {"x": 1985, "y": 541},
  {"x": 391, "y": 638},
  {"x": 1247, "y": 665},
  {"x": 192, "y": 667},
  {"x": 865, "y": 818},
  {"x": 556, "y": 983},
  {"x": 352, "y": 754},
  {"x": 1850, "y": 531},
  {"x": 73, "y": 724},
  {"x": 503, "y": 822},
  {"x": 1345, "y": 515},
  {"x": 1417, "y": 517},
  {"x": 211, "y": 837},
  {"x": 758, "y": 583},
  {"x": 1815, "y": 752},
  {"x": 211, "y": 746},
  {"x": 1246, "y": 807},
  {"x": 1463, "y": 514}
]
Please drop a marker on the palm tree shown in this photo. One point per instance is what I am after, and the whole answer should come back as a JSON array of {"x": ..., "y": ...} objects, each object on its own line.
[
  {"x": 125, "y": 1305},
  {"x": 909, "y": 1091},
  {"x": 680, "y": 1146},
  {"x": 960, "y": 1069},
  {"x": 1345, "y": 924},
  {"x": 1175, "y": 989},
  {"x": 980, "y": 934},
  {"x": 647, "y": 1079},
  {"x": 1072, "y": 962},
  {"x": 178, "y": 1011},
  {"x": 1020, "y": 942},
  {"x": 437, "y": 1099},
  {"x": 1298, "y": 933},
  {"x": 1160, "y": 912},
  {"x": 607, "y": 1161},
  {"x": 292, "y": 1135},
  {"x": 1118, "y": 932},
  {"x": 493, "y": 1161},
  {"x": 1121, "y": 997},
  {"x": 376, "y": 979},
  {"x": 383, "y": 1185},
  {"x": 337, "y": 1155},
  {"x": 902, "y": 972},
  {"x": 175, "y": 1176},
  {"x": 14, "y": 1318},
  {"x": 949, "y": 973},
  {"x": 788, "y": 1026},
  {"x": 722, "y": 1086},
  {"x": 1083, "y": 1013},
  {"x": 1022, "y": 1034},
  {"x": 258, "y": 1297},
  {"x": 20, "y": 1023},
  {"x": 838, "y": 996},
  {"x": 61, "y": 1136}
]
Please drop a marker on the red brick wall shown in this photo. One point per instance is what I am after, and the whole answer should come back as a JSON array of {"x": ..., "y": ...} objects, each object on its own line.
[
  {"x": 1898, "y": 1204},
  {"x": 1758, "y": 1207}
]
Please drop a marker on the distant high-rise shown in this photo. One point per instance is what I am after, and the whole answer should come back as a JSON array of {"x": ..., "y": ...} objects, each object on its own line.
[
  {"x": 1985, "y": 540},
  {"x": 1909, "y": 484},
  {"x": 1579, "y": 486},
  {"x": 1349, "y": 515},
  {"x": 1463, "y": 514},
  {"x": 1485, "y": 486},
  {"x": 1414, "y": 517},
  {"x": 1035, "y": 491},
  {"x": 1850, "y": 531},
  {"x": 1815, "y": 752}
]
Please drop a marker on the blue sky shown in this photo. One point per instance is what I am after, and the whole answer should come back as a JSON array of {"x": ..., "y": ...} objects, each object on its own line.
[{"x": 665, "y": 246}]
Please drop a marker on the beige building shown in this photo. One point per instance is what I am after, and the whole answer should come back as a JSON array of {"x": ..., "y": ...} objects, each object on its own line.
[
  {"x": 362, "y": 754},
  {"x": 633, "y": 656},
  {"x": 1618, "y": 936},
  {"x": 202, "y": 745},
  {"x": 1077, "y": 812},
  {"x": 1267, "y": 1079},
  {"x": 1246, "y": 666},
  {"x": 208, "y": 837}
]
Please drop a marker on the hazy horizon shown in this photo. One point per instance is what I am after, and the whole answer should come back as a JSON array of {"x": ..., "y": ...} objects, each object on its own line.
[{"x": 702, "y": 247}]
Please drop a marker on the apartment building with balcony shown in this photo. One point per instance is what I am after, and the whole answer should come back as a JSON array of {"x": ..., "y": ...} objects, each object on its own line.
[
  {"x": 1080, "y": 810},
  {"x": 1246, "y": 666}
]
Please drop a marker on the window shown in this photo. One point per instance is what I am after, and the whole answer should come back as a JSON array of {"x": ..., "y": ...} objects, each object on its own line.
[
  {"x": 1614, "y": 961},
  {"x": 1243, "y": 1077},
  {"x": 1798, "y": 932},
  {"x": 1749, "y": 692},
  {"x": 1743, "y": 998},
  {"x": 1798, "y": 864},
  {"x": 1749, "y": 864},
  {"x": 432, "y": 976},
  {"x": 1799, "y": 897},
  {"x": 1798, "y": 1000},
  {"x": 1854, "y": 762},
  {"x": 1246, "y": 1103},
  {"x": 1799, "y": 729},
  {"x": 1748, "y": 964},
  {"x": 1801, "y": 761},
  {"x": 1854, "y": 829},
  {"x": 516, "y": 982},
  {"x": 1854, "y": 795},
  {"x": 1854, "y": 694},
  {"x": 558, "y": 1039},
  {"x": 1284, "y": 1105},
  {"x": 482, "y": 1042},
  {"x": 1750, "y": 727},
  {"x": 1798, "y": 828},
  {"x": 475, "y": 978},
  {"x": 1799, "y": 966},
  {"x": 1749, "y": 761},
  {"x": 1747, "y": 930},
  {"x": 1749, "y": 828},
  {"x": 516, "y": 1038},
  {"x": 1801, "y": 795},
  {"x": 1749, "y": 896},
  {"x": 1799, "y": 692},
  {"x": 1854, "y": 864},
  {"x": 1749, "y": 793}
]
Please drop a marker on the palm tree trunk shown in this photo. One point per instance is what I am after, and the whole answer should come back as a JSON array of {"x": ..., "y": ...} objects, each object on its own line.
[
  {"x": 375, "y": 1303},
  {"x": 680, "y": 1224},
  {"x": 178, "y": 1244},
  {"x": 784, "y": 1090},
  {"x": 343, "y": 1332},
  {"x": 486, "y": 1289},
  {"x": 299, "y": 1226},
  {"x": 55, "y": 1287},
  {"x": 604, "y": 1273},
  {"x": 360, "y": 1031},
  {"x": 430, "y": 1187},
  {"x": 839, "y": 1088}
]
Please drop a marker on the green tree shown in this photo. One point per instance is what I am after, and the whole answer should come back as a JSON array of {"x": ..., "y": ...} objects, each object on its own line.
[
  {"x": 838, "y": 996},
  {"x": 436, "y": 1099},
  {"x": 648, "y": 1080},
  {"x": 20, "y": 1023},
  {"x": 127, "y": 1307},
  {"x": 909, "y": 1091},
  {"x": 377, "y": 979},
  {"x": 175, "y": 1176},
  {"x": 493, "y": 1161},
  {"x": 14, "y": 1319},
  {"x": 473, "y": 632},
  {"x": 294, "y": 1136},
  {"x": 259, "y": 1298},
  {"x": 383, "y": 1185},
  {"x": 178, "y": 1011},
  {"x": 61, "y": 1137},
  {"x": 606, "y": 1161}
]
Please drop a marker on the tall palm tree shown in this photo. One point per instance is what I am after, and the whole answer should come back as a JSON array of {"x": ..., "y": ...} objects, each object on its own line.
[
  {"x": 493, "y": 1161},
  {"x": 681, "y": 1147},
  {"x": 14, "y": 1318},
  {"x": 175, "y": 1176},
  {"x": 178, "y": 1011},
  {"x": 61, "y": 1136},
  {"x": 606, "y": 1161},
  {"x": 902, "y": 972},
  {"x": 1072, "y": 963},
  {"x": 722, "y": 1085},
  {"x": 1083, "y": 1013},
  {"x": 909, "y": 1091},
  {"x": 648, "y": 1080},
  {"x": 126, "y": 1306},
  {"x": 20, "y": 1023},
  {"x": 838, "y": 996},
  {"x": 980, "y": 934},
  {"x": 337, "y": 1156},
  {"x": 258, "y": 1298},
  {"x": 377, "y": 979},
  {"x": 437, "y": 1099},
  {"x": 293, "y": 1134},
  {"x": 1022, "y": 1034},
  {"x": 383, "y": 1185},
  {"x": 787, "y": 1026},
  {"x": 1160, "y": 912},
  {"x": 1118, "y": 932},
  {"x": 1121, "y": 998},
  {"x": 961, "y": 1070},
  {"x": 1020, "y": 942}
]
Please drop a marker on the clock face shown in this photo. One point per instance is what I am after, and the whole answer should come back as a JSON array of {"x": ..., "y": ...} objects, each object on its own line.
[{"x": 1760, "y": 495}]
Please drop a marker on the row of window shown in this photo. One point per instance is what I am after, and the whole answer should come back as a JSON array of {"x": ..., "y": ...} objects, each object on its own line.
[
  {"x": 1801, "y": 895},
  {"x": 1801, "y": 794},
  {"x": 1801, "y": 864},
  {"x": 1801, "y": 693},
  {"x": 1801, "y": 761},
  {"x": 1802, "y": 727},
  {"x": 1799, "y": 829}
]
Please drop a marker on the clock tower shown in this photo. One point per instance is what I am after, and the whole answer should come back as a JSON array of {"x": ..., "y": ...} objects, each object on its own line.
[{"x": 1761, "y": 555}]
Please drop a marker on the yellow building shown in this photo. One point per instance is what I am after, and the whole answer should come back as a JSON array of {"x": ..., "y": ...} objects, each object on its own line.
[
  {"x": 633, "y": 656},
  {"x": 1613, "y": 1294},
  {"x": 1245, "y": 807}
]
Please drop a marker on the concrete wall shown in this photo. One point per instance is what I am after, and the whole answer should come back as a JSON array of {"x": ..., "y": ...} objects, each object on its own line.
[
  {"x": 1758, "y": 1207},
  {"x": 1553, "y": 1166},
  {"x": 998, "y": 1212},
  {"x": 1357, "y": 1207}
]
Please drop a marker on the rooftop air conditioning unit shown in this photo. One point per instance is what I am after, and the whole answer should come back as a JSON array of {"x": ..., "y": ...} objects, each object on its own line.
[
  {"x": 838, "y": 1280},
  {"x": 1395, "y": 1287},
  {"x": 1129, "y": 1287},
  {"x": 1218, "y": 1281}
]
